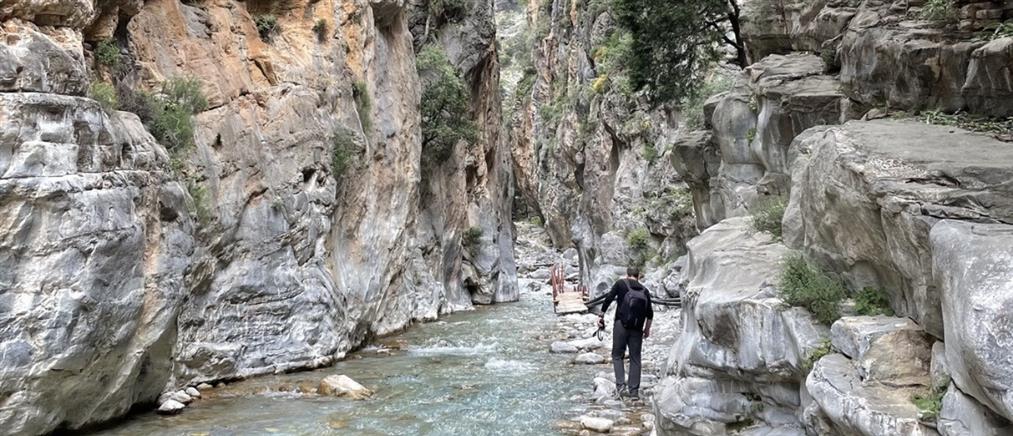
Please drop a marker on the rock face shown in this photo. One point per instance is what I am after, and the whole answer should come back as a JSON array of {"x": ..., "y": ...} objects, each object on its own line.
[
  {"x": 588, "y": 158},
  {"x": 893, "y": 180},
  {"x": 127, "y": 269},
  {"x": 741, "y": 352},
  {"x": 972, "y": 265}
]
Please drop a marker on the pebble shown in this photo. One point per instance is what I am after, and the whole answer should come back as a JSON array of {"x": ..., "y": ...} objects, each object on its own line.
[
  {"x": 600, "y": 425},
  {"x": 171, "y": 407},
  {"x": 589, "y": 359}
]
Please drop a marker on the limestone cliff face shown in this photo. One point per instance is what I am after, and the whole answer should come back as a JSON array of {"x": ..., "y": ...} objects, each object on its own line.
[
  {"x": 912, "y": 209},
  {"x": 588, "y": 155},
  {"x": 128, "y": 268}
]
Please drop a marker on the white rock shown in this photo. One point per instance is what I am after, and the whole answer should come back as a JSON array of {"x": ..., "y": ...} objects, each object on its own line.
[
  {"x": 600, "y": 425},
  {"x": 589, "y": 359},
  {"x": 180, "y": 396},
  {"x": 193, "y": 392},
  {"x": 341, "y": 386},
  {"x": 563, "y": 347},
  {"x": 170, "y": 407},
  {"x": 204, "y": 386}
]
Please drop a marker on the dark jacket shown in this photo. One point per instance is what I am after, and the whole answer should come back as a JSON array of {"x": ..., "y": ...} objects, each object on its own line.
[{"x": 617, "y": 293}]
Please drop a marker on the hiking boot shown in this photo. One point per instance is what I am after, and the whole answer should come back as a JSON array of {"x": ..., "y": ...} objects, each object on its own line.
[
  {"x": 621, "y": 392},
  {"x": 633, "y": 396}
]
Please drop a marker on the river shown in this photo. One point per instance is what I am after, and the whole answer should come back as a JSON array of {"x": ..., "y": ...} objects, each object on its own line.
[{"x": 482, "y": 372}]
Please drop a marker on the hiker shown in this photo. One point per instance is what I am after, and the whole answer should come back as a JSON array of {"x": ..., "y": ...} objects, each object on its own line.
[{"x": 632, "y": 326}]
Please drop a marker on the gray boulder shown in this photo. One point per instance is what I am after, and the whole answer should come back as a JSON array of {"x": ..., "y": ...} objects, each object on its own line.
[{"x": 973, "y": 267}]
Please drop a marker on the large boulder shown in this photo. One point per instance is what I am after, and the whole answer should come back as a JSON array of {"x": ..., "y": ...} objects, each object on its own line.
[
  {"x": 973, "y": 268},
  {"x": 854, "y": 406},
  {"x": 865, "y": 195},
  {"x": 742, "y": 352},
  {"x": 962, "y": 415},
  {"x": 885, "y": 349}
]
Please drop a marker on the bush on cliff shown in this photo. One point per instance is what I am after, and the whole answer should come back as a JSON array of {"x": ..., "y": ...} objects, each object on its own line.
[
  {"x": 638, "y": 242},
  {"x": 107, "y": 53},
  {"x": 343, "y": 152},
  {"x": 871, "y": 302},
  {"x": 267, "y": 26},
  {"x": 807, "y": 285},
  {"x": 168, "y": 115},
  {"x": 104, "y": 94},
  {"x": 446, "y": 112},
  {"x": 767, "y": 216}
]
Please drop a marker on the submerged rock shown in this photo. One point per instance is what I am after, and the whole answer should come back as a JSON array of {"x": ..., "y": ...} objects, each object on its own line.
[{"x": 343, "y": 386}]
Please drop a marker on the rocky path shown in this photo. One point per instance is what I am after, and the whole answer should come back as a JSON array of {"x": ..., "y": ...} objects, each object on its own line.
[{"x": 575, "y": 335}]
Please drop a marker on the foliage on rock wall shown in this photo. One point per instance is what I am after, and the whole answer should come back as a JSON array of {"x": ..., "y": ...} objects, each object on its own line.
[
  {"x": 692, "y": 103},
  {"x": 446, "y": 111},
  {"x": 168, "y": 115},
  {"x": 267, "y": 26},
  {"x": 638, "y": 243},
  {"x": 872, "y": 301},
  {"x": 825, "y": 347},
  {"x": 343, "y": 152},
  {"x": 944, "y": 11},
  {"x": 805, "y": 284},
  {"x": 767, "y": 216},
  {"x": 674, "y": 45},
  {"x": 104, "y": 94},
  {"x": 107, "y": 53},
  {"x": 363, "y": 104}
]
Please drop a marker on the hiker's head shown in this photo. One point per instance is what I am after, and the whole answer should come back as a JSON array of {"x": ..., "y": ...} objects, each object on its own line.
[{"x": 633, "y": 271}]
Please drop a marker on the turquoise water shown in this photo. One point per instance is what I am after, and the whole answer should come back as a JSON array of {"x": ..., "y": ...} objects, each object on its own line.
[{"x": 486, "y": 372}]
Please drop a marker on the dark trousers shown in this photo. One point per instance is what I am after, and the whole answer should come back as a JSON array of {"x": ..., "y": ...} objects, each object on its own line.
[{"x": 622, "y": 338}]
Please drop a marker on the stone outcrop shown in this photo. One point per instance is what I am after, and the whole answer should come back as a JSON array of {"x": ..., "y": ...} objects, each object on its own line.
[
  {"x": 866, "y": 194},
  {"x": 129, "y": 269},
  {"x": 741, "y": 354},
  {"x": 743, "y": 159}
]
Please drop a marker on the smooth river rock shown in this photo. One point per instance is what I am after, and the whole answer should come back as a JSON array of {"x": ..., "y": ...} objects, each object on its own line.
[{"x": 343, "y": 386}]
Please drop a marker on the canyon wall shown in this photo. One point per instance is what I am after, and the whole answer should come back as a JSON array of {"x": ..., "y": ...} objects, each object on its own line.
[
  {"x": 130, "y": 266},
  {"x": 842, "y": 115}
]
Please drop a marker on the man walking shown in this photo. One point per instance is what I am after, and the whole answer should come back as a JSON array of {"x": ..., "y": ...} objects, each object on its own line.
[{"x": 632, "y": 325}]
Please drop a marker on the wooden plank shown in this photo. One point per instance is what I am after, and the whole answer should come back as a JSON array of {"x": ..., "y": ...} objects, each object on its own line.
[{"x": 570, "y": 302}]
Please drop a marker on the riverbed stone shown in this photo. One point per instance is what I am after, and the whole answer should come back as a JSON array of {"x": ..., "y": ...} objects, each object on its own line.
[
  {"x": 170, "y": 407},
  {"x": 589, "y": 359},
  {"x": 563, "y": 347},
  {"x": 343, "y": 386},
  {"x": 192, "y": 392},
  {"x": 600, "y": 425},
  {"x": 204, "y": 386}
]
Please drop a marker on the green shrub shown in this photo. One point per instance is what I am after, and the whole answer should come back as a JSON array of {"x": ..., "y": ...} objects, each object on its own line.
[
  {"x": 320, "y": 28},
  {"x": 767, "y": 216},
  {"x": 807, "y": 285},
  {"x": 1002, "y": 30},
  {"x": 639, "y": 246},
  {"x": 751, "y": 134},
  {"x": 104, "y": 94},
  {"x": 536, "y": 220},
  {"x": 650, "y": 153},
  {"x": 343, "y": 152},
  {"x": 185, "y": 93},
  {"x": 939, "y": 11},
  {"x": 107, "y": 53},
  {"x": 472, "y": 237},
  {"x": 610, "y": 61},
  {"x": 929, "y": 404},
  {"x": 363, "y": 104},
  {"x": 169, "y": 115},
  {"x": 267, "y": 26},
  {"x": 446, "y": 105},
  {"x": 172, "y": 126},
  {"x": 201, "y": 202},
  {"x": 824, "y": 348},
  {"x": 692, "y": 105},
  {"x": 872, "y": 301}
]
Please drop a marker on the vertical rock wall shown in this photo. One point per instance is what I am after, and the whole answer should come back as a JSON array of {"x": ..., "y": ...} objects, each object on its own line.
[{"x": 127, "y": 268}]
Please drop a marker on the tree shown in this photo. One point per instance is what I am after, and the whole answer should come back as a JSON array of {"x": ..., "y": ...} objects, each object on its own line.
[
  {"x": 675, "y": 42},
  {"x": 446, "y": 112}
]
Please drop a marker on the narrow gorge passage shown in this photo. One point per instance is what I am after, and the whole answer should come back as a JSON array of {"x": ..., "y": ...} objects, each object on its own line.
[{"x": 483, "y": 372}]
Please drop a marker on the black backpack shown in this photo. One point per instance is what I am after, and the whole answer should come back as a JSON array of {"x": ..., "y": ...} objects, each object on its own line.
[{"x": 634, "y": 307}]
